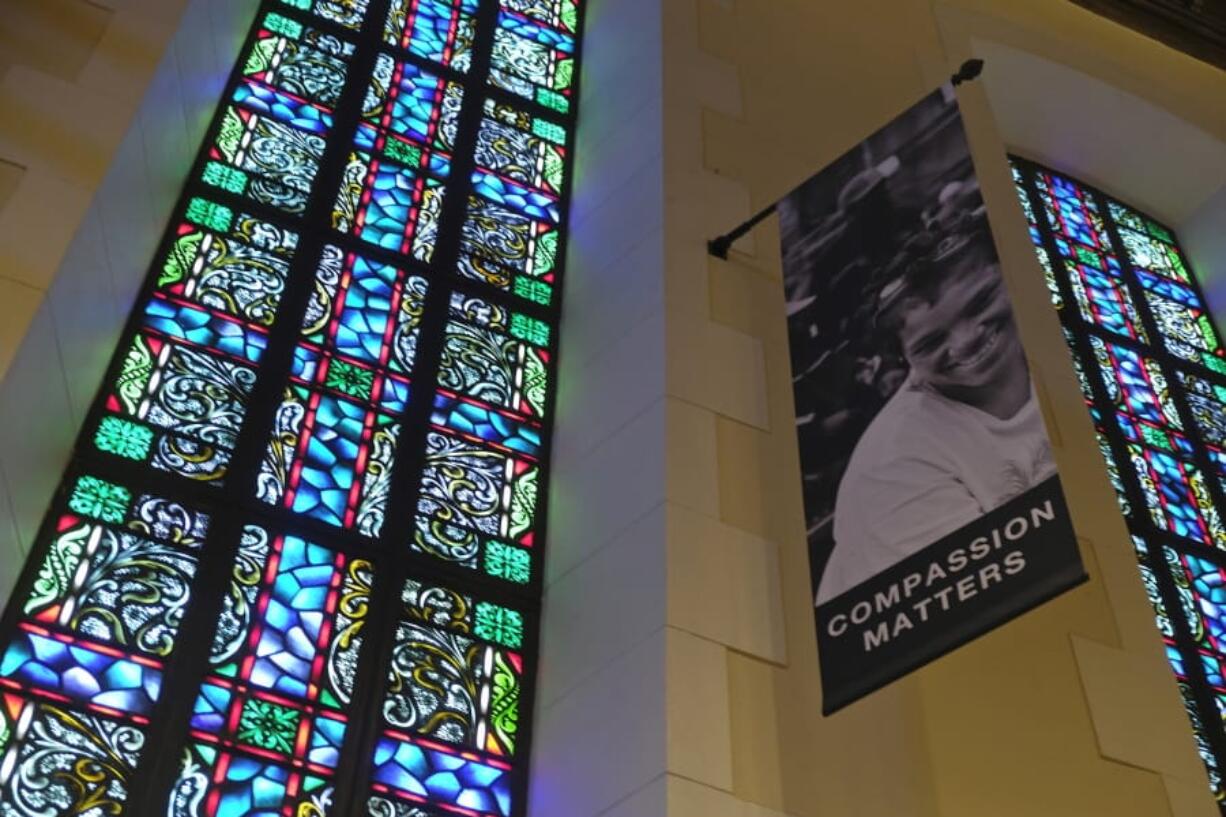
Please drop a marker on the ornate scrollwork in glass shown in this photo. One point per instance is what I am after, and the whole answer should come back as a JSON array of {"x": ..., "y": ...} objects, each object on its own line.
[{"x": 61, "y": 761}]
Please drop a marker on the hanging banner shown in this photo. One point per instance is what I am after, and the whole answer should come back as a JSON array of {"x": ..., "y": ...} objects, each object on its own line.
[{"x": 933, "y": 509}]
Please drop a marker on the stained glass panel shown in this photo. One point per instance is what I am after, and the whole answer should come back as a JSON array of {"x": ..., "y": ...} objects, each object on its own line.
[
  {"x": 510, "y": 238},
  {"x": 533, "y": 60},
  {"x": 413, "y": 109},
  {"x": 175, "y": 403},
  {"x": 177, "y": 407},
  {"x": 300, "y": 64},
  {"x": 1072, "y": 212},
  {"x": 445, "y": 685},
  {"x": 113, "y": 586},
  {"x": 1203, "y": 747},
  {"x": 563, "y": 14},
  {"x": 390, "y": 205},
  {"x": 82, "y": 672},
  {"x": 331, "y": 451},
  {"x": 270, "y": 718},
  {"x": 451, "y": 710},
  {"x": 219, "y": 783},
  {"x": 478, "y": 488},
  {"x": 329, "y": 459},
  {"x": 1136, "y": 384},
  {"x": 364, "y": 317},
  {"x": 341, "y": 367},
  {"x": 1150, "y": 580},
  {"x": 496, "y": 356},
  {"x": 1092, "y": 270},
  {"x": 106, "y": 602},
  {"x": 1208, "y": 403},
  {"x": 1168, "y": 417},
  {"x": 240, "y": 271},
  {"x": 1206, "y": 583},
  {"x": 1049, "y": 272},
  {"x": 378, "y": 806},
  {"x": 268, "y": 158},
  {"x": 522, "y": 148},
  {"x": 438, "y": 30},
  {"x": 1144, "y": 251},
  {"x": 60, "y": 760},
  {"x": 1177, "y": 496},
  {"x": 1187, "y": 331}
]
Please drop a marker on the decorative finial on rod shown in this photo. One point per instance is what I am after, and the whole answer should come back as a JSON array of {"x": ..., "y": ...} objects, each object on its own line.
[{"x": 969, "y": 70}]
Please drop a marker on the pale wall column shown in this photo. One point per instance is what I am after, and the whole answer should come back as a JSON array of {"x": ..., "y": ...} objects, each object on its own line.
[
  {"x": 746, "y": 736},
  {"x": 104, "y": 154},
  {"x": 600, "y": 728}
]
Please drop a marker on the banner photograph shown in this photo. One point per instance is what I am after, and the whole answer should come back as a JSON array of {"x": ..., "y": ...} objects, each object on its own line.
[{"x": 933, "y": 508}]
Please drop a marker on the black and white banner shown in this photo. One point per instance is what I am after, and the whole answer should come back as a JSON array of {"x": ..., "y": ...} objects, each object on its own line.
[{"x": 934, "y": 512}]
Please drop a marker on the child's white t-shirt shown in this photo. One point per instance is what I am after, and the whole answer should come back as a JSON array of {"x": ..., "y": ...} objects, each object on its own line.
[{"x": 926, "y": 466}]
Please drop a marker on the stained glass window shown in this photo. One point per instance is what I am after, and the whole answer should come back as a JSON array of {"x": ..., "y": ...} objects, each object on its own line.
[
  {"x": 1137, "y": 324},
  {"x": 299, "y": 546}
]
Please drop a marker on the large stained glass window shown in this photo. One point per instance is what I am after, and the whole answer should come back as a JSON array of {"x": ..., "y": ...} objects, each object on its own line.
[
  {"x": 294, "y": 567},
  {"x": 1153, "y": 372}
]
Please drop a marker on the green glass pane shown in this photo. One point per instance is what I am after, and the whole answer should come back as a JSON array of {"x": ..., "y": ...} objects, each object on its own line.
[
  {"x": 227, "y": 178},
  {"x": 401, "y": 152},
  {"x": 530, "y": 329},
  {"x": 100, "y": 499},
  {"x": 508, "y": 562},
  {"x": 350, "y": 379},
  {"x": 500, "y": 625},
  {"x": 268, "y": 725},
  {"x": 207, "y": 214},
  {"x": 282, "y": 25},
  {"x": 537, "y": 291},
  {"x": 1213, "y": 362},
  {"x": 551, "y": 99},
  {"x": 123, "y": 438},
  {"x": 548, "y": 130}
]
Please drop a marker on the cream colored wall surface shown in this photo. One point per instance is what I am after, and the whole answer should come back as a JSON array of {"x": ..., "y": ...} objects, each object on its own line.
[
  {"x": 72, "y": 74},
  {"x": 105, "y": 104},
  {"x": 1068, "y": 710}
]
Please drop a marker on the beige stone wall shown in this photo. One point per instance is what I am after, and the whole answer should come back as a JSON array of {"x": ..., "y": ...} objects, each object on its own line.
[
  {"x": 72, "y": 74},
  {"x": 104, "y": 105},
  {"x": 1069, "y": 710}
]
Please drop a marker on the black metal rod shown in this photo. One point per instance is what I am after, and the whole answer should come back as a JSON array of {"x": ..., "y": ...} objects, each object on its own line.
[{"x": 720, "y": 245}]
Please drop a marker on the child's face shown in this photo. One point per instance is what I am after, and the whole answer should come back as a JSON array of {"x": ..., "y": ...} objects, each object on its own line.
[{"x": 965, "y": 339}]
